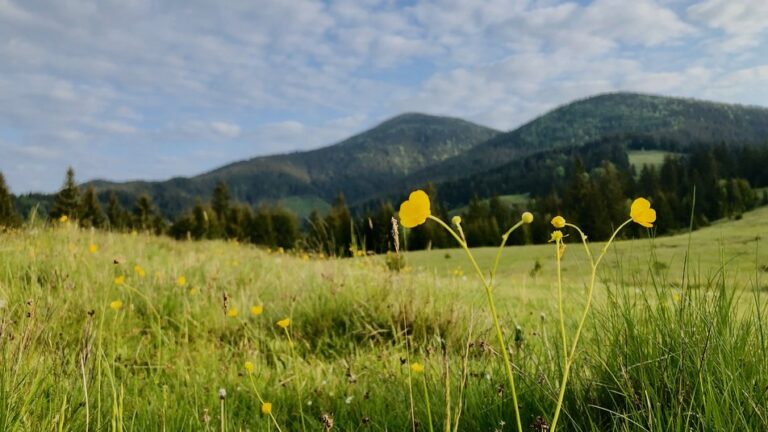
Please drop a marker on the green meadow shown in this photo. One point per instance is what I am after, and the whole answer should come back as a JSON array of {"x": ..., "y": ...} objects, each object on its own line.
[{"x": 131, "y": 332}]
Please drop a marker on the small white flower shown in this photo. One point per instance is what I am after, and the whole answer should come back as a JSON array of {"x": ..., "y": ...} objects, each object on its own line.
[
  {"x": 309, "y": 403},
  {"x": 348, "y": 400},
  {"x": 222, "y": 393}
]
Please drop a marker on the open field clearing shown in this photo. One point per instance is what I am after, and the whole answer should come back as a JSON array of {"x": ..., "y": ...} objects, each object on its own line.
[{"x": 127, "y": 332}]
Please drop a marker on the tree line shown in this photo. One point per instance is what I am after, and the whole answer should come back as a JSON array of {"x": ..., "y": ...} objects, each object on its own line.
[{"x": 592, "y": 186}]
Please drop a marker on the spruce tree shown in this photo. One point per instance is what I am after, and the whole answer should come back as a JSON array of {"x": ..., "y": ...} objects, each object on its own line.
[
  {"x": 90, "y": 212},
  {"x": 8, "y": 216},
  {"x": 116, "y": 213},
  {"x": 143, "y": 213},
  {"x": 67, "y": 200}
]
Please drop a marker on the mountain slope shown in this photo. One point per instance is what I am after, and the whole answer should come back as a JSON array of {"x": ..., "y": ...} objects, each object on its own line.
[
  {"x": 358, "y": 166},
  {"x": 683, "y": 120}
]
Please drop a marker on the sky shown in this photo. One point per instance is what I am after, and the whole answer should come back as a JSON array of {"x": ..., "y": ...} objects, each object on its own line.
[{"x": 152, "y": 89}]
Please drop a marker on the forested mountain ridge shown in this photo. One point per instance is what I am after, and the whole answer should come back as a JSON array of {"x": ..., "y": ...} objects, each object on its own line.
[
  {"x": 683, "y": 121},
  {"x": 357, "y": 166}
]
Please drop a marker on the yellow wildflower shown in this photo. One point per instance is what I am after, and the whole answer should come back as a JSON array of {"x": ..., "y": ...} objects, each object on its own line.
[
  {"x": 642, "y": 213},
  {"x": 556, "y": 236},
  {"x": 181, "y": 281},
  {"x": 63, "y": 218},
  {"x": 256, "y": 310},
  {"x": 456, "y": 220},
  {"x": 417, "y": 367},
  {"x": 527, "y": 217},
  {"x": 232, "y": 313},
  {"x": 116, "y": 305},
  {"x": 415, "y": 210},
  {"x": 92, "y": 248},
  {"x": 558, "y": 222},
  {"x": 120, "y": 280},
  {"x": 266, "y": 408},
  {"x": 284, "y": 323},
  {"x": 139, "y": 271},
  {"x": 249, "y": 367}
]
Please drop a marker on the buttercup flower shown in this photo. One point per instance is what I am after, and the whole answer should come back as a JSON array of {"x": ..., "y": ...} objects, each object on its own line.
[
  {"x": 232, "y": 313},
  {"x": 415, "y": 210},
  {"x": 139, "y": 271},
  {"x": 417, "y": 367},
  {"x": 527, "y": 217},
  {"x": 116, "y": 305},
  {"x": 120, "y": 280},
  {"x": 266, "y": 408},
  {"x": 92, "y": 248},
  {"x": 181, "y": 281},
  {"x": 642, "y": 213},
  {"x": 558, "y": 222},
  {"x": 556, "y": 236},
  {"x": 63, "y": 218},
  {"x": 256, "y": 310},
  {"x": 284, "y": 323},
  {"x": 456, "y": 220},
  {"x": 249, "y": 367}
]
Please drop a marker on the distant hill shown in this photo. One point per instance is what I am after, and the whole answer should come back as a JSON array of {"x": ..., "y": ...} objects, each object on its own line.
[
  {"x": 684, "y": 121},
  {"x": 412, "y": 149},
  {"x": 359, "y": 167}
]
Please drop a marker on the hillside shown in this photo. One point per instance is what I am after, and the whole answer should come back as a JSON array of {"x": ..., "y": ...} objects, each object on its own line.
[
  {"x": 684, "y": 121},
  {"x": 357, "y": 166},
  {"x": 412, "y": 149}
]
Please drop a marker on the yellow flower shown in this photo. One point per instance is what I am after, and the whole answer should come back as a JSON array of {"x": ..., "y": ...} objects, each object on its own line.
[
  {"x": 676, "y": 298},
  {"x": 63, "y": 218},
  {"x": 642, "y": 213},
  {"x": 266, "y": 408},
  {"x": 417, "y": 367},
  {"x": 456, "y": 220},
  {"x": 92, "y": 248},
  {"x": 120, "y": 280},
  {"x": 415, "y": 210},
  {"x": 249, "y": 367},
  {"x": 284, "y": 323},
  {"x": 527, "y": 217},
  {"x": 556, "y": 236},
  {"x": 257, "y": 310},
  {"x": 181, "y": 281},
  {"x": 232, "y": 313},
  {"x": 139, "y": 271},
  {"x": 116, "y": 305},
  {"x": 558, "y": 222}
]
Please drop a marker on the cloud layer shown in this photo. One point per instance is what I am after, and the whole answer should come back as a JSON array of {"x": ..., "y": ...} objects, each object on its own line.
[{"x": 154, "y": 89}]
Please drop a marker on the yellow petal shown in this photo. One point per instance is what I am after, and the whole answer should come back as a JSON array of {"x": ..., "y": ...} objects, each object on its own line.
[{"x": 415, "y": 210}]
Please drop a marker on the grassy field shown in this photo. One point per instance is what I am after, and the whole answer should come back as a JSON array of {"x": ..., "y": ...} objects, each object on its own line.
[
  {"x": 675, "y": 342},
  {"x": 655, "y": 158}
]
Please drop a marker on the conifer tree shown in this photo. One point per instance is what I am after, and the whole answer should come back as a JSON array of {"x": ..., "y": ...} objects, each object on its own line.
[
  {"x": 116, "y": 213},
  {"x": 67, "y": 200},
  {"x": 8, "y": 216},
  {"x": 143, "y": 214},
  {"x": 90, "y": 212}
]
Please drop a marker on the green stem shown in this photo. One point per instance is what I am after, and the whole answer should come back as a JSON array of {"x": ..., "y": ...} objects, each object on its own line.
[
  {"x": 426, "y": 400},
  {"x": 494, "y": 316},
  {"x": 298, "y": 383},
  {"x": 558, "y": 244},
  {"x": 572, "y": 356}
]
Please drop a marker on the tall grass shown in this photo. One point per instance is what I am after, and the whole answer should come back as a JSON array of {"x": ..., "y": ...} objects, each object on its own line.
[{"x": 655, "y": 355}]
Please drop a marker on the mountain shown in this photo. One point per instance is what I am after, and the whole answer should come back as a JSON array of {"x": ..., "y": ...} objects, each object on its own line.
[
  {"x": 359, "y": 167},
  {"x": 410, "y": 150},
  {"x": 684, "y": 121}
]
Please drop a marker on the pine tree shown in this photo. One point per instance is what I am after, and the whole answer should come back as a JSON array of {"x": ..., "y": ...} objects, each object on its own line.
[
  {"x": 67, "y": 200},
  {"x": 221, "y": 200},
  {"x": 90, "y": 212},
  {"x": 9, "y": 218},
  {"x": 144, "y": 217},
  {"x": 118, "y": 219}
]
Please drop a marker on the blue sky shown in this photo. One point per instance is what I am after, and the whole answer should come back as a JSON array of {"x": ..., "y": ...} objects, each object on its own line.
[{"x": 149, "y": 89}]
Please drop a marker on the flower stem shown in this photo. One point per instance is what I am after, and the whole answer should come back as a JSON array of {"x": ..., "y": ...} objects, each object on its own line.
[
  {"x": 572, "y": 355},
  {"x": 494, "y": 314}
]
